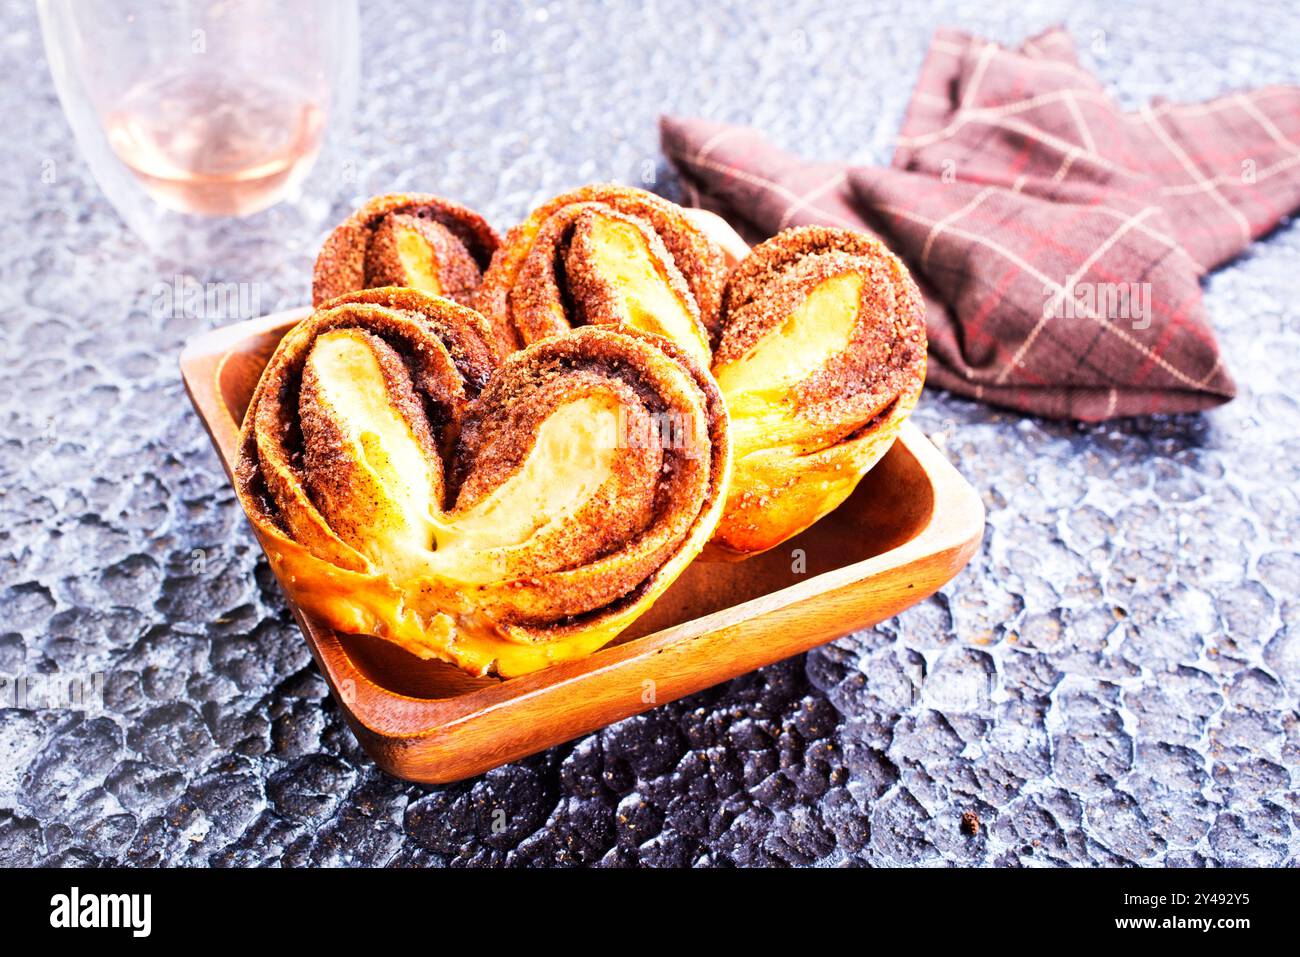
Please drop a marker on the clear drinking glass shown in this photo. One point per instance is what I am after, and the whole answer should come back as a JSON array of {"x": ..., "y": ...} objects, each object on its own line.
[{"x": 213, "y": 126}]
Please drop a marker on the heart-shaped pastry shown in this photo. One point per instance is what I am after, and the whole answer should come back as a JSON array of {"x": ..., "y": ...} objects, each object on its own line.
[
  {"x": 606, "y": 256},
  {"x": 416, "y": 240},
  {"x": 821, "y": 360},
  {"x": 500, "y": 515}
]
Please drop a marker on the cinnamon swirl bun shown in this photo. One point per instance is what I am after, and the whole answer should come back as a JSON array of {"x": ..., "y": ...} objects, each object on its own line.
[
  {"x": 415, "y": 240},
  {"x": 606, "y": 256},
  {"x": 821, "y": 359},
  {"x": 500, "y": 515}
]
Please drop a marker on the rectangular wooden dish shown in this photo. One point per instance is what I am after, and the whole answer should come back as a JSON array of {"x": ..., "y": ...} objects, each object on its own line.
[{"x": 910, "y": 526}]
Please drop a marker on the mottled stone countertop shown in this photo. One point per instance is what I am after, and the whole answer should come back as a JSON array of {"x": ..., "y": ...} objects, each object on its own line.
[{"x": 1114, "y": 678}]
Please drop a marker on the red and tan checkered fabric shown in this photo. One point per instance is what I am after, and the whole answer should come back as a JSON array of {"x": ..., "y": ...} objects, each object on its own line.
[{"x": 1060, "y": 241}]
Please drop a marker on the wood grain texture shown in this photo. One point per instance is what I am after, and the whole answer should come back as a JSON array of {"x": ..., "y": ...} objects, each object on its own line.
[{"x": 910, "y": 526}]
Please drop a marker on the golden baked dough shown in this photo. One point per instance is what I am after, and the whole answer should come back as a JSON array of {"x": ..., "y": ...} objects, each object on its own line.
[
  {"x": 606, "y": 255},
  {"x": 821, "y": 360},
  {"x": 416, "y": 240},
  {"x": 502, "y": 516}
]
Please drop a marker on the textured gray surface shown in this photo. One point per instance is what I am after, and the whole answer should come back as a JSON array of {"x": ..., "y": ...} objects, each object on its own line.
[{"x": 1113, "y": 680}]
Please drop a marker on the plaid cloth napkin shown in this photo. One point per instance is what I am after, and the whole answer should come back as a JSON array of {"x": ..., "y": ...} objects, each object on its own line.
[{"x": 1059, "y": 240}]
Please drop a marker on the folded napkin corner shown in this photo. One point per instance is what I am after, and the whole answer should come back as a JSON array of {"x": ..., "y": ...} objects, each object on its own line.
[{"x": 1060, "y": 241}]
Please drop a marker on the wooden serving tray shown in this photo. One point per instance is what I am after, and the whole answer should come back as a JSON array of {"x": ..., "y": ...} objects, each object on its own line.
[{"x": 911, "y": 525}]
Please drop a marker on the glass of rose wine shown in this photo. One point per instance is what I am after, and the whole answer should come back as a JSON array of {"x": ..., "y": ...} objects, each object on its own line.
[{"x": 212, "y": 126}]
